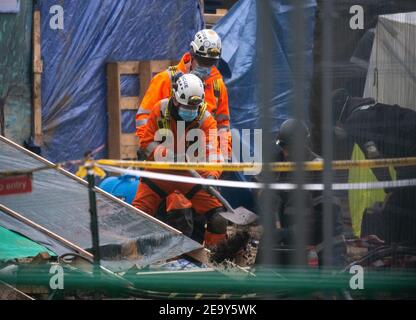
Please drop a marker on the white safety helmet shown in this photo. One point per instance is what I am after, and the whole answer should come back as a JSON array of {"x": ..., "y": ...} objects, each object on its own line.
[
  {"x": 206, "y": 44},
  {"x": 189, "y": 90}
]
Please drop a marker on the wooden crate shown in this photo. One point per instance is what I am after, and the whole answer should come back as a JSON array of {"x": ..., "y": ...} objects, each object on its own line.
[
  {"x": 124, "y": 145},
  {"x": 211, "y": 19},
  {"x": 37, "y": 80}
]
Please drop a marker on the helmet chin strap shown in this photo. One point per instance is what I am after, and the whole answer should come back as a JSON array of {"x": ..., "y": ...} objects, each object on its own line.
[{"x": 175, "y": 102}]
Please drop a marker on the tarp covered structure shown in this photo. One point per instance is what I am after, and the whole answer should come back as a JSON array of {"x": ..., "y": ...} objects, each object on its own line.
[
  {"x": 59, "y": 202},
  {"x": 95, "y": 32},
  {"x": 241, "y": 46},
  {"x": 74, "y": 111},
  {"x": 391, "y": 77},
  {"x": 15, "y": 71},
  {"x": 238, "y": 31}
]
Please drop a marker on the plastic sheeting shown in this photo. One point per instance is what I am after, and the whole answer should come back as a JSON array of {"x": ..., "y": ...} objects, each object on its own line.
[
  {"x": 74, "y": 105},
  {"x": 60, "y": 203},
  {"x": 392, "y": 73},
  {"x": 14, "y": 246},
  {"x": 15, "y": 73},
  {"x": 238, "y": 31}
]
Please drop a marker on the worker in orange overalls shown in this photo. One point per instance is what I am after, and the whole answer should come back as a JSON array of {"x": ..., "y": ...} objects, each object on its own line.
[
  {"x": 201, "y": 60},
  {"x": 185, "y": 108}
]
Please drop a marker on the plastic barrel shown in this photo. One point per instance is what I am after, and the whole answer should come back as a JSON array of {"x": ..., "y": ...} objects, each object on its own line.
[{"x": 123, "y": 187}]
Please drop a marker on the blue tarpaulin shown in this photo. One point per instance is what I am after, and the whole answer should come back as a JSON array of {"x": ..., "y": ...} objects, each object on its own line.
[
  {"x": 240, "y": 41},
  {"x": 95, "y": 32},
  {"x": 238, "y": 31}
]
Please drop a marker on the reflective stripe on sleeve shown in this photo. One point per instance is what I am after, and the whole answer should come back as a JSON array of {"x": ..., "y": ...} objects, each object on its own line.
[
  {"x": 151, "y": 147},
  {"x": 142, "y": 111},
  {"x": 140, "y": 123}
]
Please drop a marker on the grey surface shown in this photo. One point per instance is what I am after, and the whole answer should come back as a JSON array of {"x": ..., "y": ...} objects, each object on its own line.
[
  {"x": 391, "y": 77},
  {"x": 60, "y": 204}
]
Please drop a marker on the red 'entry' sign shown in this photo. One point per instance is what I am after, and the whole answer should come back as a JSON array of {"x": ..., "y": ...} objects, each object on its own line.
[{"x": 16, "y": 184}]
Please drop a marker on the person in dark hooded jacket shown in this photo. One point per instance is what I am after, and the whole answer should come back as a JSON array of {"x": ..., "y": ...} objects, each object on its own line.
[
  {"x": 285, "y": 201},
  {"x": 381, "y": 131}
]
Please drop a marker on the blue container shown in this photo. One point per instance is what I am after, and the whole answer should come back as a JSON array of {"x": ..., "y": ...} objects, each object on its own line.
[{"x": 123, "y": 187}]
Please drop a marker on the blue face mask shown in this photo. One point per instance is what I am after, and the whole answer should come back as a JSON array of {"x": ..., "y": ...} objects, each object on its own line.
[
  {"x": 201, "y": 72},
  {"x": 187, "y": 115}
]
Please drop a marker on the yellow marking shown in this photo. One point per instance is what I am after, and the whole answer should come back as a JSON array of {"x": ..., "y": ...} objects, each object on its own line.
[{"x": 275, "y": 166}]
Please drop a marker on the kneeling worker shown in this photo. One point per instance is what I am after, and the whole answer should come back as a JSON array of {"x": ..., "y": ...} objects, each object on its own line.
[{"x": 186, "y": 108}]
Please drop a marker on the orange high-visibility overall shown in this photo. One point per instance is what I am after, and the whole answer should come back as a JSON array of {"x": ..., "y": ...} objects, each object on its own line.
[
  {"x": 146, "y": 198},
  {"x": 216, "y": 98}
]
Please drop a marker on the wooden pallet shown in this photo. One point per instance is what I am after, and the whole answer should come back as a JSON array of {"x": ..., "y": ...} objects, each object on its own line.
[
  {"x": 124, "y": 145},
  {"x": 37, "y": 80},
  {"x": 211, "y": 19}
]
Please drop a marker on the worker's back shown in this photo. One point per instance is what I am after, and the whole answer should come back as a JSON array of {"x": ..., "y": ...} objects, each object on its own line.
[{"x": 391, "y": 127}]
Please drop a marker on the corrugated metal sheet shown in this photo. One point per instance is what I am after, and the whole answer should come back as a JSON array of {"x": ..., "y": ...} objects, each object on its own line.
[{"x": 59, "y": 202}]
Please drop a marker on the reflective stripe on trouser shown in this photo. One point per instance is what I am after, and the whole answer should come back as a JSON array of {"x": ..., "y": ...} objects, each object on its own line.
[{"x": 148, "y": 200}]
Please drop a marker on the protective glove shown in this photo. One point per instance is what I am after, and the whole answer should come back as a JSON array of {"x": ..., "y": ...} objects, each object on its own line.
[{"x": 141, "y": 156}]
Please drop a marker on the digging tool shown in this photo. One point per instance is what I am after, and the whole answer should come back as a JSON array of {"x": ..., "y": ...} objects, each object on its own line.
[{"x": 239, "y": 216}]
